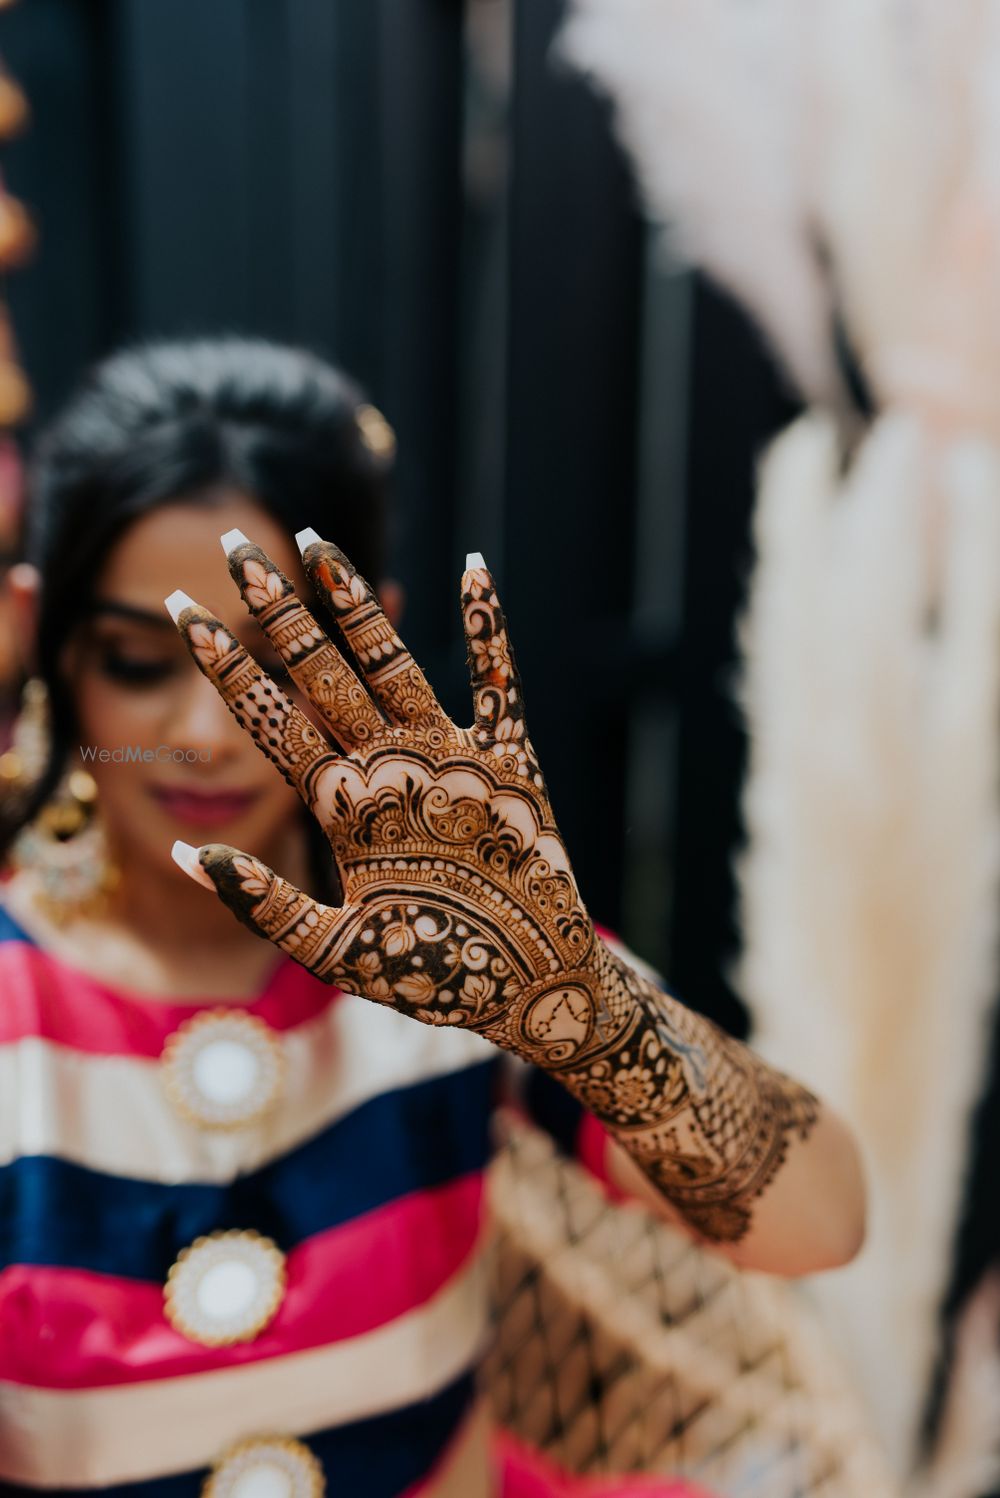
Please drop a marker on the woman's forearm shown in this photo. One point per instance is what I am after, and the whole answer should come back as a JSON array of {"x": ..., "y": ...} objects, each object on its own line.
[{"x": 746, "y": 1157}]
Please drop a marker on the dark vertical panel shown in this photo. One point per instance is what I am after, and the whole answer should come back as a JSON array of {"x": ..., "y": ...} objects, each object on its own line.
[
  {"x": 421, "y": 117},
  {"x": 657, "y": 605},
  {"x": 736, "y": 403},
  {"x": 265, "y": 161},
  {"x": 185, "y": 93},
  {"x": 62, "y": 303},
  {"x": 485, "y": 236},
  {"x": 334, "y": 169},
  {"x": 574, "y": 295}
]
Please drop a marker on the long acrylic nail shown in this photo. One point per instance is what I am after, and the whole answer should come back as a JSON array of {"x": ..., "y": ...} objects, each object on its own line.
[
  {"x": 186, "y": 858},
  {"x": 177, "y": 603},
  {"x": 231, "y": 540},
  {"x": 306, "y": 538}
]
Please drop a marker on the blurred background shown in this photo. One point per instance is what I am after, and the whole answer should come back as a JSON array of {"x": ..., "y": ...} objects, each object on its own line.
[
  {"x": 419, "y": 190},
  {"x": 423, "y": 192}
]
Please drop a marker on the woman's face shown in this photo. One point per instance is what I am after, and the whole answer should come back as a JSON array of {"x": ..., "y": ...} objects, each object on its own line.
[{"x": 176, "y": 764}]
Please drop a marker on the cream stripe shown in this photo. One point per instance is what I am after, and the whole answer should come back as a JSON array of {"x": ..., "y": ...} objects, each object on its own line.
[
  {"x": 94, "y": 1437},
  {"x": 67, "y": 1103}
]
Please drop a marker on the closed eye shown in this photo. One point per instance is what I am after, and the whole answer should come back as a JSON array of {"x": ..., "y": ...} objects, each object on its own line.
[{"x": 138, "y": 671}]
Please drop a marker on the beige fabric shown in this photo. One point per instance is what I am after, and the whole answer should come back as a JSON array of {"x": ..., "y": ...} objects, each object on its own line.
[{"x": 623, "y": 1347}]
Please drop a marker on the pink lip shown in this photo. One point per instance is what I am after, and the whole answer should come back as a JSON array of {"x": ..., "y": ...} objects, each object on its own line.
[{"x": 204, "y": 809}]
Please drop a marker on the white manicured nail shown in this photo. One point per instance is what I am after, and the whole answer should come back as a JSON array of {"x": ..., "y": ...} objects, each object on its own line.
[
  {"x": 474, "y": 560},
  {"x": 306, "y": 538},
  {"x": 177, "y": 603},
  {"x": 231, "y": 540},
  {"x": 186, "y": 858}
]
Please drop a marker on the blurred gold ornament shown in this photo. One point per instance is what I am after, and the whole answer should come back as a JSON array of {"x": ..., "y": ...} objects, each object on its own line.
[
  {"x": 14, "y": 110},
  {"x": 64, "y": 846},
  {"x": 66, "y": 851},
  {"x": 15, "y": 395},
  {"x": 25, "y": 760},
  {"x": 18, "y": 235},
  {"x": 376, "y": 433},
  {"x": 82, "y": 786}
]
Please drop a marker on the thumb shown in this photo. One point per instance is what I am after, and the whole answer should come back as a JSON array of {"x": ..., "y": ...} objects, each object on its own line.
[{"x": 266, "y": 903}]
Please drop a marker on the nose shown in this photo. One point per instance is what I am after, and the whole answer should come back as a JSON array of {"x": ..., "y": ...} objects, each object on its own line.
[{"x": 201, "y": 720}]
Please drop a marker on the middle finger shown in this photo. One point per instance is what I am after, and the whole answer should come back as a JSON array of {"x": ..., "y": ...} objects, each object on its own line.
[{"x": 312, "y": 660}]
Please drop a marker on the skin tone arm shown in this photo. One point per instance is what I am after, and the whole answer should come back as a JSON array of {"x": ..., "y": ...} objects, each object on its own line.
[{"x": 460, "y": 908}]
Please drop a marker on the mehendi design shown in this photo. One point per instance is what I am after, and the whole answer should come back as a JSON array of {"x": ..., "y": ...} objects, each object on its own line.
[{"x": 460, "y": 903}]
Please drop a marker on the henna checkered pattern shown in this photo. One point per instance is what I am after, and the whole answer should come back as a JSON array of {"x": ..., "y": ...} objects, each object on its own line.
[{"x": 621, "y": 1346}]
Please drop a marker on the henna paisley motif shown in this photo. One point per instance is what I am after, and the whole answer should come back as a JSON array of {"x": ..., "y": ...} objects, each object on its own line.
[{"x": 460, "y": 906}]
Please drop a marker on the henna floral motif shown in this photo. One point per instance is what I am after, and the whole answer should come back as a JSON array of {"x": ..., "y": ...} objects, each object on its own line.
[{"x": 460, "y": 903}]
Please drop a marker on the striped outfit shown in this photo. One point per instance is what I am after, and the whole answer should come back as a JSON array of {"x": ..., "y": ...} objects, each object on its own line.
[{"x": 359, "y": 1189}]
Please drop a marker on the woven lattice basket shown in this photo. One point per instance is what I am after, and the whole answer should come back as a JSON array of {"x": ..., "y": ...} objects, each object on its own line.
[{"x": 622, "y": 1347}]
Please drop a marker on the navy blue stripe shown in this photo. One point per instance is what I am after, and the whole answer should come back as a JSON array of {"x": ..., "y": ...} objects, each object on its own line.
[
  {"x": 57, "y": 1213},
  {"x": 379, "y": 1457},
  {"x": 11, "y": 931},
  {"x": 553, "y": 1109}
]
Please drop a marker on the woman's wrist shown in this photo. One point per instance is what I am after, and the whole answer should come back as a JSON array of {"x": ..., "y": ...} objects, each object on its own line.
[{"x": 706, "y": 1120}]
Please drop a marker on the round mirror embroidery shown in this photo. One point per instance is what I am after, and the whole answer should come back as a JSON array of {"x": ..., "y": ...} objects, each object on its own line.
[
  {"x": 225, "y": 1288},
  {"x": 266, "y": 1469},
  {"x": 223, "y": 1069}
]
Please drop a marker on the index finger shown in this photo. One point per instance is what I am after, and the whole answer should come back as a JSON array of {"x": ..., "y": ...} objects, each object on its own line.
[{"x": 277, "y": 726}]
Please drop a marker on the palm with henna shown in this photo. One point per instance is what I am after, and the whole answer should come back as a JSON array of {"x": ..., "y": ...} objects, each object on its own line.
[{"x": 459, "y": 902}]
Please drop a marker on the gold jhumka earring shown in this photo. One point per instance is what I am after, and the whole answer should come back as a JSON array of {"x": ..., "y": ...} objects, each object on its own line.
[{"x": 64, "y": 845}]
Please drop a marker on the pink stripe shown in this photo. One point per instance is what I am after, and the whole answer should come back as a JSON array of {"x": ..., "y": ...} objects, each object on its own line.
[
  {"x": 74, "y": 1329},
  {"x": 523, "y": 1472},
  {"x": 592, "y": 1144},
  {"x": 45, "y": 997}
]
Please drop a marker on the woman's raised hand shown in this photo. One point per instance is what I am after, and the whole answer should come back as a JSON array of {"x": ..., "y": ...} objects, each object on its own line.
[
  {"x": 460, "y": 907},
  {"x": 459, "y": 902}
]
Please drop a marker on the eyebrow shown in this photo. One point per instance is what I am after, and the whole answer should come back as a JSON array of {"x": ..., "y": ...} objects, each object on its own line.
[{"x": 103, "y": 606}]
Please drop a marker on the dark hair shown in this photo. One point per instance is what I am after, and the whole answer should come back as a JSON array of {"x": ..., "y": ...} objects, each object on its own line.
[{"x": 174, "y": 420}]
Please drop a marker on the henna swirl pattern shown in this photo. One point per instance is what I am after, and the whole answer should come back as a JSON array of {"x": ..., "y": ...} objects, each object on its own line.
[{"x": 460, "y": 905}]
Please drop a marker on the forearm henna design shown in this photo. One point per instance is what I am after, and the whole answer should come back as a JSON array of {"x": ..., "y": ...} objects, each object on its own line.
[{"x": 460, "y": 906}]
